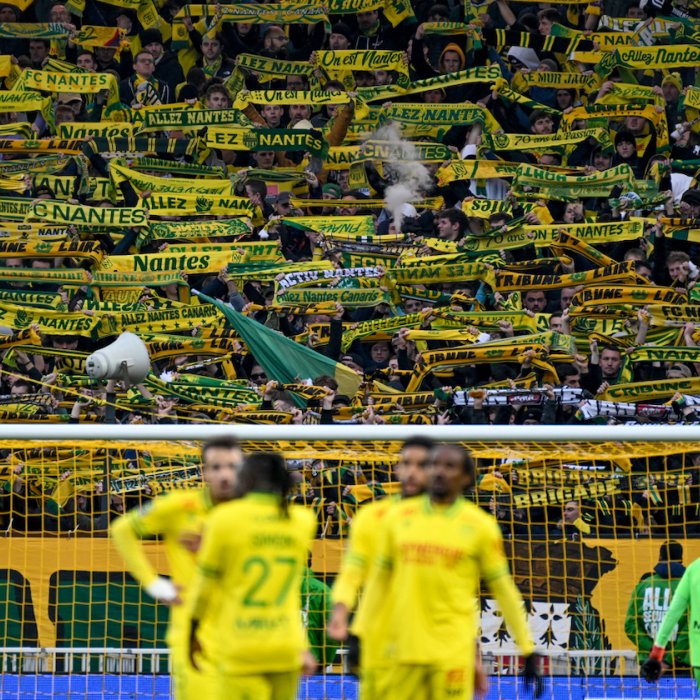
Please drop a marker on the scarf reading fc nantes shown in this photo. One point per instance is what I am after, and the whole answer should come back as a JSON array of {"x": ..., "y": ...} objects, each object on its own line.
[
  {"x": 51, "y": 81},
  {"x": 81, "y": 215}
]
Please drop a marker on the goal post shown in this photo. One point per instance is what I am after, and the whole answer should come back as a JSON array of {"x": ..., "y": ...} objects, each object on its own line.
[
  {"x": 358, "y": 432},
  {"x": 588, "y": 513}
]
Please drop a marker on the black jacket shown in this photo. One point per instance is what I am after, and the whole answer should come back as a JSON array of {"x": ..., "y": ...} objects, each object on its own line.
[{"x": 169, "y": 71}]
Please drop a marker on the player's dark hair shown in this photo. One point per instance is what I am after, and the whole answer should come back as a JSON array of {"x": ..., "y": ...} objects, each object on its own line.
[
  {"x": 468, "y": 465},
  {"x": 225, "y": 442},
  {"x": 418, "y": 441},
  {"x": 267, "y": 471}
]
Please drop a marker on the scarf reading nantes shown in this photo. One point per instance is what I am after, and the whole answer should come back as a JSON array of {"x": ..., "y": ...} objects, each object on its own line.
[
  {"x": 161, "y": 320},
  {"x": 82, "y": 130},
  {"x": 368, "y": 60},
  {"x": 48, "y": 320},
  {"x": 344, "y": 157},
  {"x": 189, "y": 119},
  {"x": 415, "y": 114},
  {"x": 195, "y": 204},
  {"x": 481, "y": 74},
  {"x": 351, "y": 298},
  {"x": 195, "y": 260},
  {"x": 16, "y": 101},
  {"x": 273, "y": 67},
  {"x": 545, "y": 236},
  {"x": 82, "y": 216},
  {"x": 292, "y": 97},
  {"x": 243, "y": 139},
  {"x": 293, "y": 279},
  {"x": 52, "y": 81},
  {"x": 654, "y": 57},
  {"x": 33, "y": 30}
]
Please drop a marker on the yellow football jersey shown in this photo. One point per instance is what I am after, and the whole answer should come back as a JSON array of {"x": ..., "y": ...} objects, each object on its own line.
[
  {"x": 371, "y": 621},
  {"x": 255, "y": 557},
  {"x": 176, "y": 517},
  {"x": 435, "y": 558}
]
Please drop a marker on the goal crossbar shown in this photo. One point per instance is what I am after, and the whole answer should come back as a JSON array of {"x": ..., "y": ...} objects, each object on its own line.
[{"x": 332, "y": 433}]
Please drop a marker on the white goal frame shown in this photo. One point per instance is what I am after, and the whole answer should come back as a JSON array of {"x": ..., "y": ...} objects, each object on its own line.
[
  {"x": 333, "y": 433},
  {"x": 125, "y": 660}
]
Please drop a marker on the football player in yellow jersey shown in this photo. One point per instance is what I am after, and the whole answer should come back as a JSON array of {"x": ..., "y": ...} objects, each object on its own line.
[
  {"x": 370, "y": 624},
  {"x": 435, "y": 551},
  {"x": 179, "y": 518},
  {"x": 253, "y": 554}
]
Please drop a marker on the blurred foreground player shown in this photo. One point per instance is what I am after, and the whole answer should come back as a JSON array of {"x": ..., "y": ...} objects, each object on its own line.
[
  {"x": 179, "y": 518},
  {"x": 370, "y": 625},
  {"x": 687, "y": 594},
  {"x": 251, "y": 564},
  {"x": 435, "y": 550}
]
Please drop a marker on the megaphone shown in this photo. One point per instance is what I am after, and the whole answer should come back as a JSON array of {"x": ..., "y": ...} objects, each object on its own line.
[{"x": 126, "y": 359}]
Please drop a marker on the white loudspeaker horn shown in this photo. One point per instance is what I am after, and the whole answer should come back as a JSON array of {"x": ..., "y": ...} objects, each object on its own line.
[{"x": 126, "y": 359}]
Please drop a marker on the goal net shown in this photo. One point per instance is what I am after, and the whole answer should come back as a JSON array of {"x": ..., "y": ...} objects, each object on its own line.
[{"x": 597, "y": 523}]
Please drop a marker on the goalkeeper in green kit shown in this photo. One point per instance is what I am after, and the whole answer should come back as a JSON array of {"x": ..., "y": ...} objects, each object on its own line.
[{"x": 687, "y": 594}]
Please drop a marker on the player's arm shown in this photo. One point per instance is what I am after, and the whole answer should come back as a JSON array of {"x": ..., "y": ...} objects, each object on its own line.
[
  {"x": 496, "y": 574},
  {"x": 352, "y": 576},
  {"x": 651, "y": 668},
  {"x": 127, "y": 532}
]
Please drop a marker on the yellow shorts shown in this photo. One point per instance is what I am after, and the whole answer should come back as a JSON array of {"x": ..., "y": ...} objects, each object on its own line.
[
  {"x": 267, "y": 686},
  {"x": 429, "y": 683},
  {"x": 373, "y": 683}
]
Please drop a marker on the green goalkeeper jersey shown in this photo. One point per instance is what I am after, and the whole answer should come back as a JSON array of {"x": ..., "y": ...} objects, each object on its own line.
[
  {"x": 687, "y": 594},
  {"x": 649, "y": 602}
]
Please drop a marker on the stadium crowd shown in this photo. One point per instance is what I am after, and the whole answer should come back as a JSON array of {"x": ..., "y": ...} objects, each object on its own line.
[{"x": 354, "y": 212}]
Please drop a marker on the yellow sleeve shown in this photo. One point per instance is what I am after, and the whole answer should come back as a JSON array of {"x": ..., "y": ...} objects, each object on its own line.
[
  {"x": 128, "y": 531},
  {"x": 496, "y": 574},
  {"x": 208, "y": 565},
  {"x": 386, "y": 551},
  {"x": 356, "y": 562}
]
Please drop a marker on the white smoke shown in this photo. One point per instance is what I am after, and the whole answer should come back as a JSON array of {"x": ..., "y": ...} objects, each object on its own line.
[{"x": 411, "y": 178}]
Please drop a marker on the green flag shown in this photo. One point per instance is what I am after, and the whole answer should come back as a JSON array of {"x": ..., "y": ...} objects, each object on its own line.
[{"x": 282, "y": 359}]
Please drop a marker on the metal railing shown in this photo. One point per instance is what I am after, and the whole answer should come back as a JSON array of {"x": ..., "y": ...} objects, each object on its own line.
[{"x": 33, "y": 660}]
